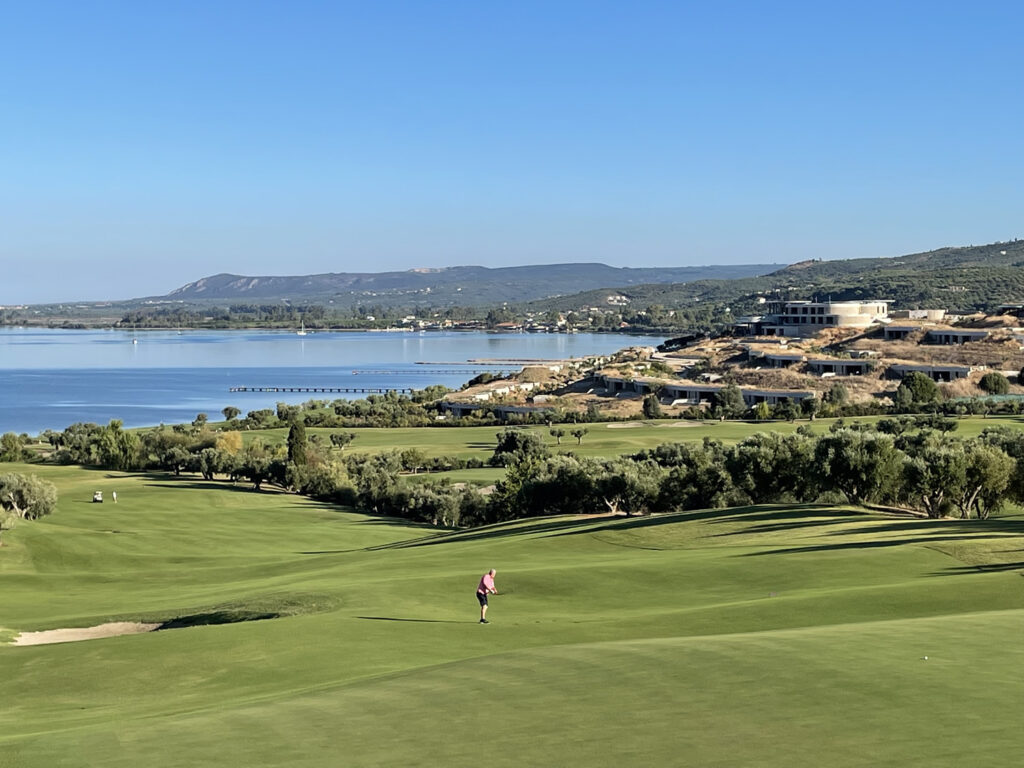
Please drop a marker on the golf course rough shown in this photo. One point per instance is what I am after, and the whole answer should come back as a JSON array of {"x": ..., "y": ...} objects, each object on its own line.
[{"x": 307, "y": 635}]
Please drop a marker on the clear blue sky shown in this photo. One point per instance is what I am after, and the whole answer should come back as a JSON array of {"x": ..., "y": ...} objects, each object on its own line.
[{"x": 144, "y": 145}]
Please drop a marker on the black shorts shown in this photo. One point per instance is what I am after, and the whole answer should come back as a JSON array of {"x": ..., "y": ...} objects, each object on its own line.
[{"x": 482, "y": 597}]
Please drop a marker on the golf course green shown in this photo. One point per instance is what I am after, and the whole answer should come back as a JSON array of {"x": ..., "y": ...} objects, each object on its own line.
[
  {"x": 300, "y": 634},
  {"x": 602, "y": 438}
]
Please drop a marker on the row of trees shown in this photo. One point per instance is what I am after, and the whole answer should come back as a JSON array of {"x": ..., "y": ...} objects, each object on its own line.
[
  {"x": 915, "y": 462},
  {"x": 923, "y": 469},
  {"x": 908, "y": 463},
  {"x": 912, "y": 462}
]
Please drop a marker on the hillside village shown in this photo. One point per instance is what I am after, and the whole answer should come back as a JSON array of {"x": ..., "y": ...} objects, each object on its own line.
[{"x": 797, "y": 351}]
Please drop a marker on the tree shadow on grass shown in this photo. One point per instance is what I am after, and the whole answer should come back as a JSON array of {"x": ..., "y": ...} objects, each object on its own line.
[
  {"x": 775, "y": 512},
  {"x": 211, "y": 485},
  {"x": 960, "y": 570},
  {"x": 213, "y": 618},
  {"x": 542, "y": 525},
  {"x": 981, "y": 528},
  {"x": 978, "y": 529},
  {"x": 856, "y": 545},
  {"x": 779, "y": 527},
  {"x": 400, "y": 522},
  {"x": 332, "y": 551}
]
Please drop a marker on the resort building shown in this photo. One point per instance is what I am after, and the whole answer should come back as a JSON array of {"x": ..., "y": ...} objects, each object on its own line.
[
  {"x": 693, "y": 393},
  {"x": 806, "y": 318}
]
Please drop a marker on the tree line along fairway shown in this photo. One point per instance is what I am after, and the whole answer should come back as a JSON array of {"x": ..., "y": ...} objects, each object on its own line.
[
  {"x": 602, "y": 439},
  {"x": 313, "y": 636}
]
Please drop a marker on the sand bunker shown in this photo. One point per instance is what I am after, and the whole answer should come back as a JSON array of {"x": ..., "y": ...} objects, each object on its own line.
[{"x": 74, "y": 634}]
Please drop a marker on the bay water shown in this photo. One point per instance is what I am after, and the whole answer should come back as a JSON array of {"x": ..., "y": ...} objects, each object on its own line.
[{"x": 52, "y": 378}]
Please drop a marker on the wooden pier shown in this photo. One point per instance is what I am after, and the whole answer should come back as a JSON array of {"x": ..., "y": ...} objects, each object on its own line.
[
  {"x": 457, "y": 363},
  {"x": 327, "y": 390}
]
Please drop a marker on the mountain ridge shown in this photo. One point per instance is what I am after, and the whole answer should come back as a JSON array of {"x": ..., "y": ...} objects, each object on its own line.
[
  {"x": 444, "y": 284},
  {"x": 968, "y": 278}
]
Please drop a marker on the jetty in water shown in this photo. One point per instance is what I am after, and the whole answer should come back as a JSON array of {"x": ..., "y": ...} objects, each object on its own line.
[
  {"x": 327, "y": 390},
  {"x": 442, "y": 371}
]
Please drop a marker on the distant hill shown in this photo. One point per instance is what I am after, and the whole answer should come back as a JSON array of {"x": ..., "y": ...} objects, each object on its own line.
[
  {"x": 961, "y": 278},
  {"x": 464, "y": 286}
]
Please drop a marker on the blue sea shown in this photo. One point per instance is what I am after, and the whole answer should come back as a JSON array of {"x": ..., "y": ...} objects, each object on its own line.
[{"x": 52, "y": 378}]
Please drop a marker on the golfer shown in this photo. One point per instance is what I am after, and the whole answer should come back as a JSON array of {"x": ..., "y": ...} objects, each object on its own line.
[{"x": 486, "y": 587}]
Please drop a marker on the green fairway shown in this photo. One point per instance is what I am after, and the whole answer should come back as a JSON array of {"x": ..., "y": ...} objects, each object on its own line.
[
  {"x": 602, "y": 439},
  {"x": 767, "y": 636}
]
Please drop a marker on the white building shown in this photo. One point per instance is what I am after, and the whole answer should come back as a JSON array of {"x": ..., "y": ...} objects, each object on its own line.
[{"x": 806, "y": 318}]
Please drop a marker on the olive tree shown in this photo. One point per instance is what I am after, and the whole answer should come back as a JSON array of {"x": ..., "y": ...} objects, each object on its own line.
[
  {"x": 994, "y": 383},
  {"x": 341, "y": 439},
  {"x": 936, "y": 475},
  {"x": 989, "y": 471},
  {"x": 516, "y": 444},
  {"x": 864, "y": 466},
  {"x": 25, "y": 497},
  {"x": 916, "y": 389}
]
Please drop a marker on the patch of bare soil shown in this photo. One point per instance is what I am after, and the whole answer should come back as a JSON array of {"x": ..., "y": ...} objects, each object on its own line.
[{"x": 75, "y": 634}]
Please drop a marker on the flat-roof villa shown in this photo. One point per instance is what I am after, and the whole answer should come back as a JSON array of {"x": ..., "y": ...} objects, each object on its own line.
[
  {"x": 940, "y": 373},
  {"x": 831, "y": 366},
  {"x": 954, "y": 336},
  {"x": 932, "y": 335}
]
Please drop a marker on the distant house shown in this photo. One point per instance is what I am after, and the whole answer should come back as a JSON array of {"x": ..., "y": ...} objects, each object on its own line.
[{"x": 693, "y": 393}]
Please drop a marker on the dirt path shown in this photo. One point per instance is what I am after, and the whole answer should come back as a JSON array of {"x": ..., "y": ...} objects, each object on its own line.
[{"x": 74, "y": 634}]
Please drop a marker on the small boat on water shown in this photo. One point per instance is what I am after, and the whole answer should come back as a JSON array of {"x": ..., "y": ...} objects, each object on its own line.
[{"x": 302, "y": 328}]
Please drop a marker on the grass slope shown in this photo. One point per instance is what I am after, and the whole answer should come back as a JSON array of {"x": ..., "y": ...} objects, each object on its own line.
[{"x": 768, "y": 636}]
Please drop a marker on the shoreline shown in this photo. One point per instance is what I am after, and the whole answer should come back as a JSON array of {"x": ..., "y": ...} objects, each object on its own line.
[{"x": 312, "y": 331}]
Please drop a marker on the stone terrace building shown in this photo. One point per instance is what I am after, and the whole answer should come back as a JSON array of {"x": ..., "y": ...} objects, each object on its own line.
[{"x": 694, "y": 393}]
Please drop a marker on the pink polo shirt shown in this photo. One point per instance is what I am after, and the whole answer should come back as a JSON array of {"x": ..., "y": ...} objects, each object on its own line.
[{"x": 486, "y": 585}]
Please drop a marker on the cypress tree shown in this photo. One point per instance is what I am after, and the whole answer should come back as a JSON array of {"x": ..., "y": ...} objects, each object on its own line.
[{"x": 297, "y": 443}]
